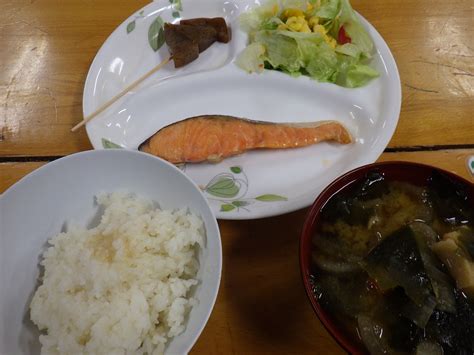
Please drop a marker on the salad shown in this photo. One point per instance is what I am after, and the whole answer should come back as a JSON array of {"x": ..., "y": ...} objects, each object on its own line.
[{"x": 322, "y": 39}]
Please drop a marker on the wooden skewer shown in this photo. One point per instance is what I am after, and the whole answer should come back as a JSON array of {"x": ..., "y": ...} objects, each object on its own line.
[{"x": 121, "y": 94}]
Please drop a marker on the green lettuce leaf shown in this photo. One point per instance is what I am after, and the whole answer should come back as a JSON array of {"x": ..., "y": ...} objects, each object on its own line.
[
  {"x": 281, "y": 50},
  {"x": 355, "y": 30},
  {"x": 295, "y": 4},
  {"x": 308, "y": 54},
  {"x": 329, "y": 9},
  {"x": 320, "y": 60},
  {"x": 252, "y": 58},
  {"x": 251, "y": 21},
  {"x": 349, "y": 49},
  {"x": 359, "y": 75}
]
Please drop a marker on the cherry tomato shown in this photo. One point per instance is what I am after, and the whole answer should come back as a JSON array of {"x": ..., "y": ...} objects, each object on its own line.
[{"x": 342, "y": 36}]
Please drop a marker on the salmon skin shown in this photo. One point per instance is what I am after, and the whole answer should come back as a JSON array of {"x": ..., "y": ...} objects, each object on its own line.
[{"x": 214, "y": 137}]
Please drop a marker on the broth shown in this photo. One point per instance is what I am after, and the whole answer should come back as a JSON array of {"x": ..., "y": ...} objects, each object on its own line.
[{"x": 393, "y": 263}]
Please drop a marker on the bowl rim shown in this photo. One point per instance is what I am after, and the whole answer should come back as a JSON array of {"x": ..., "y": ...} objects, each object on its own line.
[{"x": 336, "y": 186}]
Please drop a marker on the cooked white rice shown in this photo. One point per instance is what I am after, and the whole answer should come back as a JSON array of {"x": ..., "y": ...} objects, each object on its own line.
[{"x": 122, "y": 287}]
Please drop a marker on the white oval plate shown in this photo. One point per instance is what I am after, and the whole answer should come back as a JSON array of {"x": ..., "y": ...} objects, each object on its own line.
[{"x": 258, "y": 183}]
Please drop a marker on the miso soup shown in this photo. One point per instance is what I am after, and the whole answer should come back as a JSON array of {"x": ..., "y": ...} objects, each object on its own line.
[{"x": 393, "y": 264}]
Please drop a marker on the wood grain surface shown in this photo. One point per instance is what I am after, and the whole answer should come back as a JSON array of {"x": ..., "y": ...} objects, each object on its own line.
[
  {"x": 262, "y": 306},
  {"x": 433, "y": 47},
  {"x": 454, "y": 160},
  {"x": 47, "y": 47}
]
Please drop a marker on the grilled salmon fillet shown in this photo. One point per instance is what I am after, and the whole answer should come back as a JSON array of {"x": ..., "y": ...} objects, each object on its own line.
[{"x": 213, "y": 137}]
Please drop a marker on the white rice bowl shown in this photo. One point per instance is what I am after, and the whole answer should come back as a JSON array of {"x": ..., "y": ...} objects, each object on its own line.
[{"x": 122, "y": 287}]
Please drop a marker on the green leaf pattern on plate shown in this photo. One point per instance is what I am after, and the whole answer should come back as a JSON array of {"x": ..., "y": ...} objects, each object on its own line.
[
  {"x": 240, "y": 203},
  {"x": 131, "y": 26},
  {"x": 223, "y": 185},
  {"x": 156, "y": 35},
  {"x": 271, "y": 198},
  {"x": 227, "y": 207},
  {"x": 236, "y": 169},
  {"x": 177, "y": 6},
  {"x": 109, "y": 144},
  {"x": 231, "y": 190}
]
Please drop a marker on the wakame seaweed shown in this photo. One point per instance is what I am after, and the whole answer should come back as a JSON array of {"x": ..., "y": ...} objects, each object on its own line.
[
  {"x": 396, "y": 261},
  {"x": 450, "y": 199},
  {"x": 351, "y": 207},
  {"x": 404, "y": 298},
  {"x": 454, "y": 331}
]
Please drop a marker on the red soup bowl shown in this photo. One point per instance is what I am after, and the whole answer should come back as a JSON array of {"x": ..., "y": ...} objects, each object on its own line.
[{"x": 414, "y": 173}]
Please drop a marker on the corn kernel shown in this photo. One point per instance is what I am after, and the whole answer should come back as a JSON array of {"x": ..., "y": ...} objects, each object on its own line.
[
  {"x": 331, "y": 41},
  {"x": 319, "y": 29},
  {"x": 292, "y": 20},
  {"x": 298, "y": 24},
  {"x": 287, "y": 13},
  {"x": 295, "y": 26},
  {"x": 305, "y": 28},
  {"x": 313, "y": 21}
]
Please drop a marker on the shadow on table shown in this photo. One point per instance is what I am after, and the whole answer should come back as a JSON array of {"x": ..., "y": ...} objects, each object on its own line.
[{"x": 262, "y": 281}]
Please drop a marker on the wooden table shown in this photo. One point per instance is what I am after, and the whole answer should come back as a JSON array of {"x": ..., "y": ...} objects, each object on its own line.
[{"x": 47, "y": 47}]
